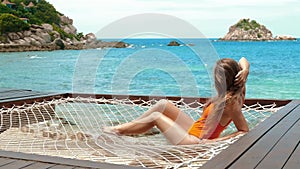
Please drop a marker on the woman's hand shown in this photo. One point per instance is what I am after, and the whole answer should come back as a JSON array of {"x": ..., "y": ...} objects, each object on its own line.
[{"x": 241, "y": 77}]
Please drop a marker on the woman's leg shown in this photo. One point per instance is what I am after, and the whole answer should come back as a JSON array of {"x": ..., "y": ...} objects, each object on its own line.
[
  {"x": 171, "y": 111},
  {"x": 145, "y": 121},
  {"x": 171, "y": 130}
]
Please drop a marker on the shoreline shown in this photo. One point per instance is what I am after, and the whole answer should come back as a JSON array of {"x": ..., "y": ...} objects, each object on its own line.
[
  {"x": 274, "y": 40},
  {"x": 52, "y": 47},
  {"x": 104, "y": 44}
]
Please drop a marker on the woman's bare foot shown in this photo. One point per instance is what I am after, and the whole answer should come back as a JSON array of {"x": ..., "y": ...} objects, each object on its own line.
[{"x": 110, "y": 130}]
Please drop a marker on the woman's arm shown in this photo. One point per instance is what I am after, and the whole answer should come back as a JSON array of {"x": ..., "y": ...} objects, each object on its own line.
[
  {"x": 225, "y": 137},
  {"x": 238, "y": 117},
  {"x": 241, "y": 77},
  {"x": 241, "y": 125},
  {"x": 235, "y": 113}
]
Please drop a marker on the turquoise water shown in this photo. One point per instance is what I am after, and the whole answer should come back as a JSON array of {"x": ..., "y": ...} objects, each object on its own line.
[{"x": 150, "y": 67}]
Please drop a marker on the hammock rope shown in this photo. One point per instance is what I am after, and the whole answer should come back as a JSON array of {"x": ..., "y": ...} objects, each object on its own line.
[{"x": 72, "y": 128}]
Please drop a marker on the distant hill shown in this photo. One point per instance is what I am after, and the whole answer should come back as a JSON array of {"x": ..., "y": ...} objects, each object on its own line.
[{"x": 250, "y": 30}]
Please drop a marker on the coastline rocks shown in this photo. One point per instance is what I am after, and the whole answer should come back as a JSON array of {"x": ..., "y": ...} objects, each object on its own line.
[
  {"x": 250, "y": 30},
  {"x": 284, "y": 37},
  {"x": 43, "y": 38},
  {"x": 59, "y": 43},
  {"x": 173, "y": 43},
  {"x": 101, "y": 44},
  {"x": 90, "y": 38}
]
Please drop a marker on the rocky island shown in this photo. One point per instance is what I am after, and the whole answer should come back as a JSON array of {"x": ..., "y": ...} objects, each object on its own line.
[
  {"x": 250, "y": 30},
  {"x": 35, "y": 25}
]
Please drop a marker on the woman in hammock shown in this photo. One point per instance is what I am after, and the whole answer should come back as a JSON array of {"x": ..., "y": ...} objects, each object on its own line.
[{"x": 229, "y": 78}]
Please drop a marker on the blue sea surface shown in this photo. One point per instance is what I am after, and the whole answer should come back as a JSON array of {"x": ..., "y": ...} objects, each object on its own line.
[{"x": 150, "y": 67}]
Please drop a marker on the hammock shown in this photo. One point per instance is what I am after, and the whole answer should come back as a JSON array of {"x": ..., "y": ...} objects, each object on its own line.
[{"x": 71, "y": 128}]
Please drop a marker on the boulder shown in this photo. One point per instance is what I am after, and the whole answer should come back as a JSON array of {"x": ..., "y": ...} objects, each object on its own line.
[
  {"x": 13, "y": 36},
  {"x": 47, "y": 27},
  {"x": 22, "y": 42},
  {"x": 27, "y": 33},
  {"x": 29, "y": 40},
  {"x": 120, "y": 45},
  {"x": 70, "y": 29},
  {"x": 38, "y": 32},
  {"x": 46, "y": 37},
  {"x": 35, "y": 43},
  {"x": 21, "y": 35},
  {"x": 74, "y": 40},
  {"x": 284, "y": 37},
  {"x": 90, "y": 37},
  {"x": 66, "y": 20},
  {"x": 55, "y": 34},
  {"x": 69, "y": 41},
  {"x": 59, "y": 43},
  {"x": 39, "y": 39},
  {"x": 174, "y": 43}
]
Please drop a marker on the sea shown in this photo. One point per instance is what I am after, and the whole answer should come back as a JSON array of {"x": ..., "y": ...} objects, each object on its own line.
[{"x": 151, "y": 67}]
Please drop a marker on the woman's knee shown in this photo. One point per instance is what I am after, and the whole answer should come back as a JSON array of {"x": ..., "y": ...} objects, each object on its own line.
[
  {"x": 162, "y": 102},
  {"x": 161, "y": 105},
  {"x": 155, "y": 115}
]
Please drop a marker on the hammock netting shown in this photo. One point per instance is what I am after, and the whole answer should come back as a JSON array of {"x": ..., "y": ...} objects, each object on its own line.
[{"x": 72, "y": 128}]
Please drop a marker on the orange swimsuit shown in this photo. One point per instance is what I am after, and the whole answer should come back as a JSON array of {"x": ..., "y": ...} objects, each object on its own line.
[{"x": 198, "y": 127}]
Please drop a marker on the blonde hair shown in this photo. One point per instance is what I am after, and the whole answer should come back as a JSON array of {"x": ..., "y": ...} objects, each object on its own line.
[{"x": 225, "y": 72}]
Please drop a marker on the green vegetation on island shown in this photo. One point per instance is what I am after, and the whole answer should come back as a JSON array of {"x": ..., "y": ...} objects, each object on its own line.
[
  {"x": 246, "y": 24},
  {"x": 11, "y": 23}
]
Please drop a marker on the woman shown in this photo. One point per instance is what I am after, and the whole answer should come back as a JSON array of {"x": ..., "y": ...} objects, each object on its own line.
[{"x": 230, "y": 78}]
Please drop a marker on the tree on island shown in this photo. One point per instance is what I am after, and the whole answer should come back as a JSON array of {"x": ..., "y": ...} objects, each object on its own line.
[
  {"x": 11, "y": 23},
  {"x": 41, "y": 12}
]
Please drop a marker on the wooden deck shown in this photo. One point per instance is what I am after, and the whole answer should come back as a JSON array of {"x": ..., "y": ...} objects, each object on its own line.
[
  {"x": 9, "y": 97},
  {"x": 14, "y": 160},
  {"x": 272, "y": 144}
]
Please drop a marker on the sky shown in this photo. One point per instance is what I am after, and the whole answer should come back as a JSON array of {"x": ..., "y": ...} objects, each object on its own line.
[{"x": 211, "y": 17}]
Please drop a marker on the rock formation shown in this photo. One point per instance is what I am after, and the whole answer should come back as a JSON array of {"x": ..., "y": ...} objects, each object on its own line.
[
  {"x": 246, "y": 30},
  {"x": 284, "y": 37},
  {"x": 174, "y": 43}
]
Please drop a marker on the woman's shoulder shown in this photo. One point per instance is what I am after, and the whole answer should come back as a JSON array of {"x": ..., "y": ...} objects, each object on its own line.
[
  {"x": 235, "y": 104},
  {"x": 208, "y": 108}
]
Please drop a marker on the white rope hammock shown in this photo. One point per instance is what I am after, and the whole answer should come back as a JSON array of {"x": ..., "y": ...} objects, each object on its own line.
[{"x": 71, "y": 128}]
